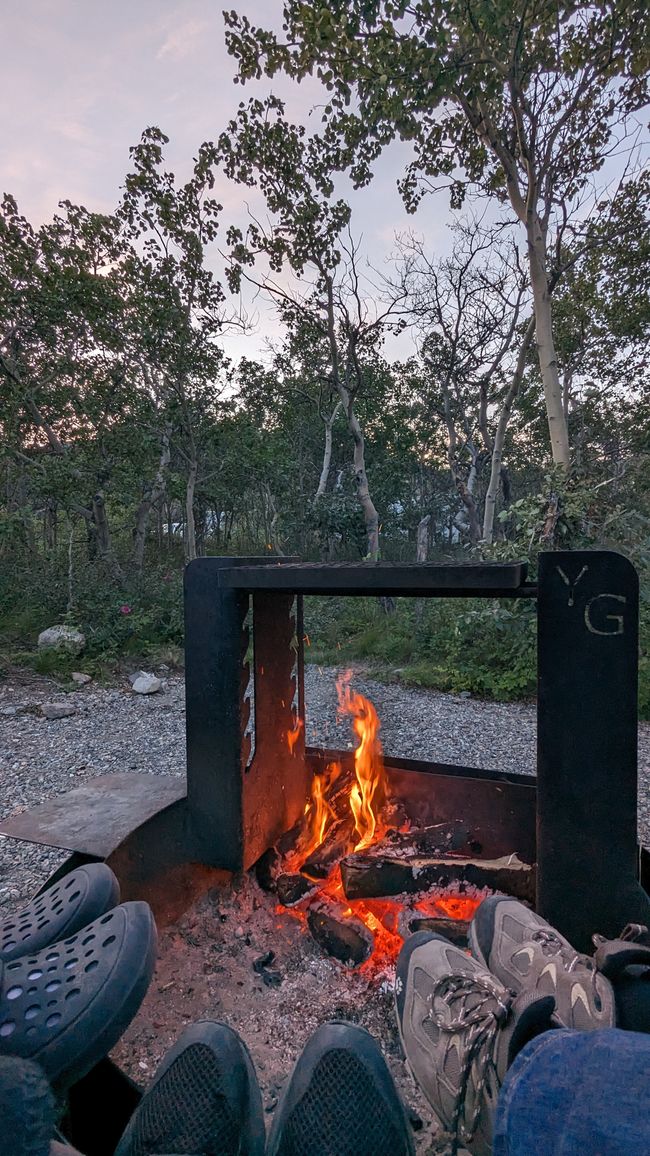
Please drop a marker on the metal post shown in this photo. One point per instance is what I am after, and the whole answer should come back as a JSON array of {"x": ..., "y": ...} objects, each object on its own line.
[
  {"x": 587, "y": 745},
  {"x": 214, "y": 661}
]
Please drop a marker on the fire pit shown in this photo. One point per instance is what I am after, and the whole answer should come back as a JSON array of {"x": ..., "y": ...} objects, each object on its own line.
[
  {"x": 565, "y": 839},
  {"x": 354, "y": 850}
]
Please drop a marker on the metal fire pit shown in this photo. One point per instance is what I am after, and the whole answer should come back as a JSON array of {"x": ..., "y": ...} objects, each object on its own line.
[{"x": 244, "y": 688}]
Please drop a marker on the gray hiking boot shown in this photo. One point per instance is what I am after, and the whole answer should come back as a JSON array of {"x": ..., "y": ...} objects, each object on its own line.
[
  {"x": 461, "y": 1029},
  {"x": 526, "y": 954}
]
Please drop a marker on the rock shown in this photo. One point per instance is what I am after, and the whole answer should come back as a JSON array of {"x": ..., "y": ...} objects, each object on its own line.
[
  {"x": 136, "y": 675},
  {"x": 62, "y": 637},
  {"x": 81, "y": 679},
  {"x": 147, "y": 684},
  {"x": 54, "y": 710}
]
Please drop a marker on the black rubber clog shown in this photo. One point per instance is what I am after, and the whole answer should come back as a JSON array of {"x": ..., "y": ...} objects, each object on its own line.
[
  {"x": 67, "y": 1005},
  {"x": 61, "y": 910}
]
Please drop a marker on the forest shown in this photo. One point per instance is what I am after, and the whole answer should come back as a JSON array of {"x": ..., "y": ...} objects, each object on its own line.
[{"x": 516, "y": 418}]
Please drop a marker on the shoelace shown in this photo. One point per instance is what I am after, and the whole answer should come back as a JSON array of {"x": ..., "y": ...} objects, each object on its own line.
[
  {"x": 552, "y": 945},
  {"x": 480, "y": 1026},
  {"x": 631, "y": 933}
]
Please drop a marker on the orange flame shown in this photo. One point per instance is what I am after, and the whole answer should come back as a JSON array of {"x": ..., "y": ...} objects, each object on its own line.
[
  {"x": 368, "y": 795},
  {"x": 294, "y": 735},
  {"x": 319, "y": 816}
]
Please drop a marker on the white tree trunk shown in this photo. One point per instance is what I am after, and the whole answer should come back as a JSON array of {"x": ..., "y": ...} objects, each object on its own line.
[
  {"x": 500, "y": 435},
  {"x": 327, "y": 452},
  {"x": 422, "y": 548},
  {"x": 557, "y": 423}
]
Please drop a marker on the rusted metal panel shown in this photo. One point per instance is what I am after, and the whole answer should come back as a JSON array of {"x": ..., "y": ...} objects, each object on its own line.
[{"x": 94, "y": 818}]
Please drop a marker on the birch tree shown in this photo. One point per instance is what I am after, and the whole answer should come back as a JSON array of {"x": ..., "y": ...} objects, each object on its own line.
[
  {"x": 520, "y": 100},
  {"x": 307, "y": 237}
]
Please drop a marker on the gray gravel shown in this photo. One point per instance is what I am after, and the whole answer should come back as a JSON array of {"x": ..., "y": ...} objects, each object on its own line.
[{"x": 115, "y": 730}]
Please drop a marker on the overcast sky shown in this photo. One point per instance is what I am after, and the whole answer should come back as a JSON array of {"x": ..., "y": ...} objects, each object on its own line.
[{"x": 83, "y": 78}]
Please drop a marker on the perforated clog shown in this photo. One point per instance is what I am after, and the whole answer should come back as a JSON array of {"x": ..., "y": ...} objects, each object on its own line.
[
  {"x": 64, "y": 908},
  {"x": 67, "y": 1005}
]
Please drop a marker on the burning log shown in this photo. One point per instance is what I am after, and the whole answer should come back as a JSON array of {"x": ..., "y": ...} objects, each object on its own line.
[
  {"x": 343, "y": 937},
  {"x": 456, "y": 930},
  {"x": 370, "y": 875},
  {"x": 292, "y": 888},
  {"x": 338, "y": 841},
  {"x": 427, "y": 842}
]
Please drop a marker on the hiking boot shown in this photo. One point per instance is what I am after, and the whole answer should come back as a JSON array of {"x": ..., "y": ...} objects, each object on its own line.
[
  {"x": 526, "y": 954},
  {"x": 61, "y": 910},
  {"x": 66, "y": 1006},
  {"x": 204, "y": 1100},
  {"x": 340, "y": 1101},
  {"x": 461, "y": 1029},
  {"x": 626, "y": 963}
]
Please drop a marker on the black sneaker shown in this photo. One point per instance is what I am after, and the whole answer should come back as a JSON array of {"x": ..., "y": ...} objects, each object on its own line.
[
  {"x": 27, "y": 1109},
  {"x": 526, "y": 954},
  {"x": 61, "y": 910},
  {"x": 340, "y": 1101},
  {"x": 67, "y": 1005},
  {"x": 204, "y": 1100}
]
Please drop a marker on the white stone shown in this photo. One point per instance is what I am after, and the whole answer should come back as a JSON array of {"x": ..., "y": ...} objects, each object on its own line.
[
  {"x": 81, "y": 679},
  {"x": 147, "y": 684},
  {"x": 62, "y": 638},
  {"x": 54, "y": 710},
  {"x": 138, "y": 674}
]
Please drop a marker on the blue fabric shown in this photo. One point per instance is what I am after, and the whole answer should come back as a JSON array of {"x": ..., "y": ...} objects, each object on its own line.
[{"x": 574, "y": 1093}]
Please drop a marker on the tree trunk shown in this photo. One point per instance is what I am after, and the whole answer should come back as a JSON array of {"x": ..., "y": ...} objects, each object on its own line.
[
  {"x": 190, "y": 525},
  {"x": 327, "y": 452},
  {"x": 101, "y": 535},
  {"x": 151, "y": 497},
  {"x": 370, "y": 515},
  {"x": 422, "y": 550},
  {"x": 500, "y": 435},
  {"x": 557, "y": 423}
]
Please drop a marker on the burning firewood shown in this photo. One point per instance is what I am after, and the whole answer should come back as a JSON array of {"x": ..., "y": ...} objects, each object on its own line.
[
  {"x": 370, "y": 875},
  {"x": 456, "y": 930},
  {"x": 337, "y": 842},
  {"x": 340, "y": 935},
  {"x": 292, "y": 888}
]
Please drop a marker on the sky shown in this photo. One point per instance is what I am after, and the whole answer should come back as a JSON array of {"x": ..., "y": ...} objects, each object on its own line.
[{"x": 83, "y": 78}]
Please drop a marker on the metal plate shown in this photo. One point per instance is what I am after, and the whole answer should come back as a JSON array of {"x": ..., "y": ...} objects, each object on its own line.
[
  {"x": 95, "y": 818},
  {"x": 423, "y": 579}
]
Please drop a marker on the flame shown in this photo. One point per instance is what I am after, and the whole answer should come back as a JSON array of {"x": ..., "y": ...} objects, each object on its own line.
[
  {"x": 368, "y": 794},
  {"x": 294, "y": 735},
  {"x": 367, "y": 797},
  {"x": 319, "y": 816}
]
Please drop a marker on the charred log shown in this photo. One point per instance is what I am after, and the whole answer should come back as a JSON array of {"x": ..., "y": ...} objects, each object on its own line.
[
  {"x": 455, "y": 930},
  {"x": 337, "y": 843},
  {"x": 292, "y": 888},
  {"x": 343, "y": 937},
  {"x": 368, "y": 876},
  {"x": 427, "y": 842}
]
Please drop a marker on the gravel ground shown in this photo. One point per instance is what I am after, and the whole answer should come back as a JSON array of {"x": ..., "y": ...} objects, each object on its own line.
[{"x": 115, "y": 730}]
